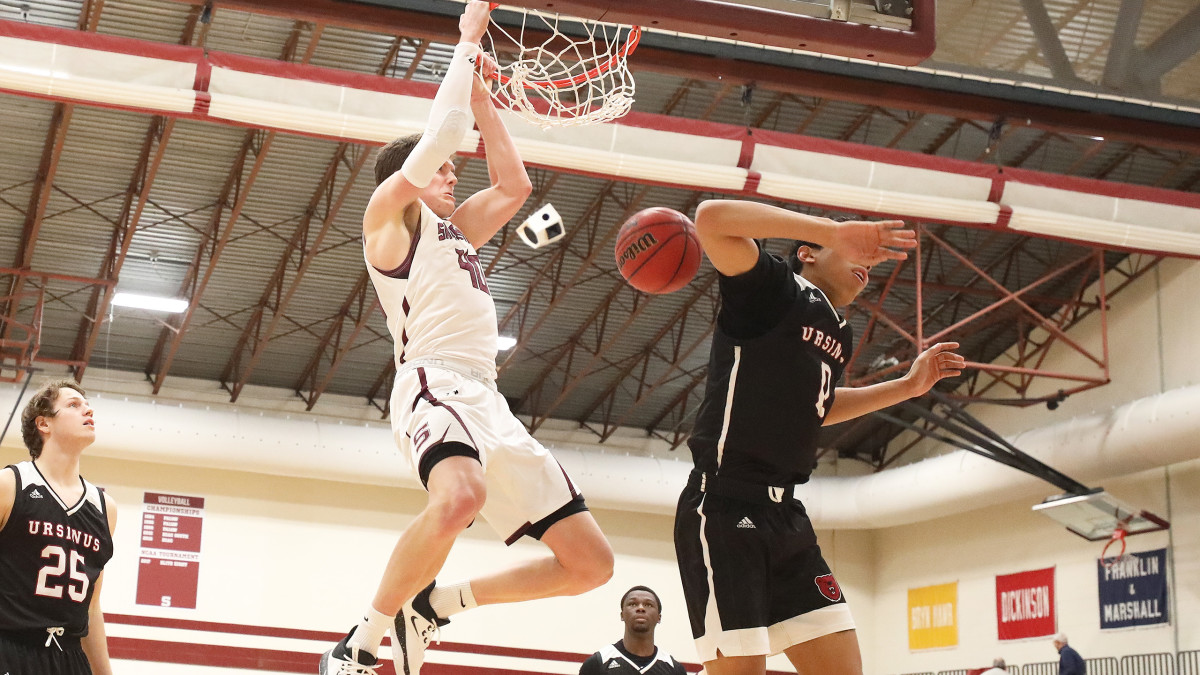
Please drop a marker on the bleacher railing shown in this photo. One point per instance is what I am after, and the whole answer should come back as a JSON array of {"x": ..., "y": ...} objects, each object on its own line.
[
  {"x": 1044, "y": 668},
  {"x": 1148, "y": 664},
  {"x": 1183, "y": 663},
  {"x": 1188, "y": 663}
]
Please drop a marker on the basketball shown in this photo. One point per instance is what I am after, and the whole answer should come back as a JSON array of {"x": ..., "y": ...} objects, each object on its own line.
[{"x": 657, "y": 250}]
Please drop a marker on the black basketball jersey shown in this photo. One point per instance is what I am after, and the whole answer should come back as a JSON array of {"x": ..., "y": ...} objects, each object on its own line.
[
  {"x": 614, "y": 659},
  {"x": 50, "y": 556},
  {"x": 778, "y": 351}
]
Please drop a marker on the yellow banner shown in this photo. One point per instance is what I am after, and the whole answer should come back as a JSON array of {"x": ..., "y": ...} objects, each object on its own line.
[{"x": 933, "y": 616}]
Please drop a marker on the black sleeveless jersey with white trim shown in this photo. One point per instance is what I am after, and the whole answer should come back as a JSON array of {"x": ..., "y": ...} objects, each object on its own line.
[
  {"x": 50, "y": 556},
  {"x": 614, "y": 659},
  {"x": 777, "y": 353}
]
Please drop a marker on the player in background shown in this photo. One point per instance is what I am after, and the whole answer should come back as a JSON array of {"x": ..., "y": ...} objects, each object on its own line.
[
  {"x": 472, "y": 454},
  {"x": 55, "y": 538},
  {"x": 753, "y": 575},
  {"x": 635, "y": 653}
]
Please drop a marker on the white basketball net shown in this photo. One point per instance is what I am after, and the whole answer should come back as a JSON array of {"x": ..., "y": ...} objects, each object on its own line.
[{"x": 577, "y": 75}]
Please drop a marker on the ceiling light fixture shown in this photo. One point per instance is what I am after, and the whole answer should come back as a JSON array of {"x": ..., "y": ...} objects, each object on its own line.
[{"x": 153, "y": 303}]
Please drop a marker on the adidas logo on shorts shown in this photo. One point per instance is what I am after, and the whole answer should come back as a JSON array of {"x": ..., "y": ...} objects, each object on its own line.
[{"x": 746, "y": 524}]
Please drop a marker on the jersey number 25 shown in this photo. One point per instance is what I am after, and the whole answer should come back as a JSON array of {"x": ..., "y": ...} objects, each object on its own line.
[{"x": 50, "y": 578}]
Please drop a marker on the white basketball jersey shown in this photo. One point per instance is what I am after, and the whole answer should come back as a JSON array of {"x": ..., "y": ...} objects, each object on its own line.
[{"x": 437, "y": 301}]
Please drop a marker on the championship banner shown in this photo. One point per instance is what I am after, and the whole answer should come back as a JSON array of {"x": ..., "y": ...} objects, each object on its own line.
[
  {"x": 1133, "y": 589},
  {"x": 1025, "y": 604},
  {"x": 933, "y": 616},
  {"x": 169, "y": 565}
]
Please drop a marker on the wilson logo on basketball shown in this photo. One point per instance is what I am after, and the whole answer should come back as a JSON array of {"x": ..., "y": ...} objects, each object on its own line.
[
  {"x": 642, "y": 244},
  {"x": 828, "y": 587},
  {"x": 657, "y": 250}
]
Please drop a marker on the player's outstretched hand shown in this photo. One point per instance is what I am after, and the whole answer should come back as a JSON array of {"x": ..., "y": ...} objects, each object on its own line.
[
  {"x": 474, "y": 21},
  {"x": 935, "y": 363},
  {"x": 872, "y": 242},
  {"x": 485, "y": 71}
]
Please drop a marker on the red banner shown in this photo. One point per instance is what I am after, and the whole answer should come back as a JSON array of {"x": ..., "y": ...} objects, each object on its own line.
[
  {"x": 169, "y": 567},
  {"x": 1025, "y": 604}
]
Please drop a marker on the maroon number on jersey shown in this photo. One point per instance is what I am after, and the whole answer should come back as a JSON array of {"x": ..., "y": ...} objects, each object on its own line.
[
  {"x": 470, "y": 263},
  {"x": 829, "y": 587}
]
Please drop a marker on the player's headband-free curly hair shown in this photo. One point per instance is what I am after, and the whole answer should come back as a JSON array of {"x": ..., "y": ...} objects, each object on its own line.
[
  {"x": 647, "y": 589},
  {"x": 42, "y": 405}
]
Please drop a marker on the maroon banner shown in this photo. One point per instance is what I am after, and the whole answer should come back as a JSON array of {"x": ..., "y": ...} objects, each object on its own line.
[
  {"x": 1025, "y": 604},
  {"x": 169, "y": 565}
]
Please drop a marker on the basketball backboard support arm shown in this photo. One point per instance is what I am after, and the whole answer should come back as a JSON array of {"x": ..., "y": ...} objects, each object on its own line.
[
  {"x": 1090, "y": 513},
  {"x": 976, "y": 437}
]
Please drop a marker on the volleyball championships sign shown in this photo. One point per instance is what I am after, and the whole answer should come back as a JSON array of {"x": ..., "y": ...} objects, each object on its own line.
[{"x": 1025, "y": 604}]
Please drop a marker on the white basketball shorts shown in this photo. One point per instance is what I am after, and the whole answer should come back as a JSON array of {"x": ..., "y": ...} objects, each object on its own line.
[{"x": 432, "y": 405}]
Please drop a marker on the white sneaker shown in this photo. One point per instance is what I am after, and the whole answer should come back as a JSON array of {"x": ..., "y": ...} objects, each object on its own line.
[
  {"x": 343, "y": 660},
  {"x": 415, "y": 626}
]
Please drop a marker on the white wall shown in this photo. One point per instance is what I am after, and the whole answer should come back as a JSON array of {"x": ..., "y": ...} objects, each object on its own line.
[
  {"x": 973, "y": 547},
  {"x": 1152, "y": 342}
]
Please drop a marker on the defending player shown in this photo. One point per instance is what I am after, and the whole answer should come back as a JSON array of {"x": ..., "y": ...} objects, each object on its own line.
[
  {"x": 55, "y": 538},
  {"x": 472, "y": 454},
  {"x": 752, "y": 572}
]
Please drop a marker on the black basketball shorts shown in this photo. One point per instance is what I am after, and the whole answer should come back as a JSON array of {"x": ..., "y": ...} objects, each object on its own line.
[
  {"x": 34, "y": 658},
  {"x": 753, "y": 576}
]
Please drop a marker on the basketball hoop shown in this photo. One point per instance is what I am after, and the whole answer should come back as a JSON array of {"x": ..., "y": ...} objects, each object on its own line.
[
  {"x": 572, "y": 72},
  {"x": 1118, "y": 535}
]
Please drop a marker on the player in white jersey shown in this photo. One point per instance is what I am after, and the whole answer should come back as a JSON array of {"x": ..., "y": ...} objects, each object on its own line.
[{"x": 473, "y": 456}]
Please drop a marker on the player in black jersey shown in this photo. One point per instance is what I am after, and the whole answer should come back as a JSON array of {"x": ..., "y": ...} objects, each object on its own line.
[
  {"x": 753, "y": 575},
  {"x": 635, "y": 654},
  {"x": 55, "y": 538}
]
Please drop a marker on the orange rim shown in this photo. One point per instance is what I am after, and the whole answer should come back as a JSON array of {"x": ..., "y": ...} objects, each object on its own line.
[{"x": 631, "y": 43}]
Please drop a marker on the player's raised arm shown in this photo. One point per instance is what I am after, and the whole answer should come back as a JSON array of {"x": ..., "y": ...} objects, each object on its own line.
[
  {"x": 482, "y": 215},
  {"x": 450, "y": 118},
  {"x": 931, "y": 366},
  {"x": 727, "y": 229}
]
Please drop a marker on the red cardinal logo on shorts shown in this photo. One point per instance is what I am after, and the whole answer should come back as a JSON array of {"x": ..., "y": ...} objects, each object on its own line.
[{"x": 828, "y": 587}]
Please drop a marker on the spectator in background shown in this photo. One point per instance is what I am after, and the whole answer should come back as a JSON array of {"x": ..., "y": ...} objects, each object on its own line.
[
  {"x": 998, "y": 668},
  {"x": 635, "y": 654},
  {"x": 1069, "y": 660}
]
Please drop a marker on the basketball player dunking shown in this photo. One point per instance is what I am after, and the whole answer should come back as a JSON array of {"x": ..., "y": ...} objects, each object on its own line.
[
  {"x": 55, "y": 538},
  {"x": 472, "y": 454},
  {"x": 753, "y": 575}
]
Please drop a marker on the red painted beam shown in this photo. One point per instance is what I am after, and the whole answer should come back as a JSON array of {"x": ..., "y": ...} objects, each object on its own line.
[
  {"x": 777, "y": 78},
  {"x": 208, "y": 253},
  {"x": 305, "y": 244},
  {"x": 153, "y": 149}
]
